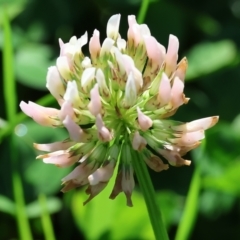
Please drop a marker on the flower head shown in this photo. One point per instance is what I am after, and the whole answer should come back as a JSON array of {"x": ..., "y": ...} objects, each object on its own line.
[{"x": 114, "y": 102}]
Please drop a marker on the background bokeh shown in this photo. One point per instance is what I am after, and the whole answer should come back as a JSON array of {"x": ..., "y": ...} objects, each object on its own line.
[{"x": 209, "y": 35}]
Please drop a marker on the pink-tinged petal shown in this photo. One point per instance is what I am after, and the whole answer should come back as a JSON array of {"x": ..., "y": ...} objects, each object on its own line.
[
  {"x": 181, "y": 69},
  {"x": 177, "y": 97},
  {"x": 75, "y": 132},
  {"x": 60, "y": 158},
  {"x": 189, "y": 138},
  {"x": 94, "y": 44},
  {"x": 144, "y": 121},
  {"x": 66, "y": 110},
  {"x": 55, "y": 84},
  {"x": 41, "y": 115},
  {"x": 128, "y": 184},
  {"x": 80, "y": 173},
  {"x": 87, "y": 78},
  {"x": 203, "y": 123},
  {"x": 174, "y": 158},
  {"x": 172, "y": 55},
  {"x": 153, "y": 51},
  {"x": 162, "y": 49},
  {"x": 103, "y": 132},
  {"x": 68, "y": 49},
  {"x": 131, "y": 22},
  {"x": 64, "y": 67},
  {"x": 144, "y": 30},
  {"x": 113, "y": 26},
  {"x": 138, "y": 142},
  {"x": 164, "y": 92},
  {"x": 102, "y": 174},
  {"x": 52, "y": 147},
  {"x": 95, "y": 105}
]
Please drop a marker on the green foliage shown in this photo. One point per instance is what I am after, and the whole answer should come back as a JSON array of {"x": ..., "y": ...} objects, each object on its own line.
[
  {"x": 206, "y": 57},
  {"x": 210, "y": 40}
]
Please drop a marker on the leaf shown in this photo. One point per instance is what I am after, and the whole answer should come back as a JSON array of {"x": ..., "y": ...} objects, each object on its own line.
[
  {"x": 13, "y": 8},
  {"x": 227, "y": 182},
  {"x": 32, "y": 62},
  {"x": 209, "y": 57},
  {"x": 7, "y": 205},
  {"x": 34, "y": 209},
  {"x": 214, "y": 203}
]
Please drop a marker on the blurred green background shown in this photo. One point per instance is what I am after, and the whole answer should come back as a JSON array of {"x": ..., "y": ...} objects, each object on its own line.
[{"x": 209, "y": 35}]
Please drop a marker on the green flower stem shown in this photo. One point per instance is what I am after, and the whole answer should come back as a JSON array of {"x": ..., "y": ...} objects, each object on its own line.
[
  {"x": 143, "y": 11},
  {"x": 10, "y": 101},
  {"x": 23, "y": 224},
  {"x": 153, "y": 208},
  {"x": 191, "y": 208},
  {"x": 45, "y": 218}
]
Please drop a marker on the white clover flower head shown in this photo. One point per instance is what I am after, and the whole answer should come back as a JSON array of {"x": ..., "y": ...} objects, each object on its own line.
[{"x": 116, "y": 101}]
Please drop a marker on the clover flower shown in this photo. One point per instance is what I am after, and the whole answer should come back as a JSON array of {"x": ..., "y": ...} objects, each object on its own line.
[{"x": 113, "y": 102}]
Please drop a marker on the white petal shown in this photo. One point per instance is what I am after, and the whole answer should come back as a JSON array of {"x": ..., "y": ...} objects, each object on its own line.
[
  {"x": 106, "y": 46},
  {"x": 63, "y": 67},
  {"x": 87, "y": 77},
  {"x": 113, "y": 26},
  {"x": 130, "y": 90}
]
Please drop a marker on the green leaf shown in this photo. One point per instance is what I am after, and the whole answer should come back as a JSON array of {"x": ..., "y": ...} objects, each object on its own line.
[
  {"x": 214, "y": 203},
  {"x": 209, "y": 57},
  {"x": 32, "y": 62},
  {"x": 103, "y": 216},
  {"x": 227, "y": 182},
  {"x": 13, "y": 8},
  {"x": 34, "y": 209},
  {"x": 7, "y": 205}
]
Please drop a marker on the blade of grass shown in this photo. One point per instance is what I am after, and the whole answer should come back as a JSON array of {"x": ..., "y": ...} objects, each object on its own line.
[
  {"x": 10, "y": 102},
  {"x": 45, "y": 218},
  {"x": 190, "y": 211},
  {"x": 191, "y": 208},
  {"x": 143, "y": 11}
]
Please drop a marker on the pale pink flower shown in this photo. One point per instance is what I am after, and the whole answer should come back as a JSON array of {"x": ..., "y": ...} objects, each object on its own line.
[{"x": 114, "y": 102}]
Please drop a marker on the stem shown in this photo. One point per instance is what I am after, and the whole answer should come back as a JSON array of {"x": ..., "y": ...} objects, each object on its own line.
[
  {"x": 143, "y": 11},
  {"x": 45, "y": 218},
  {"x": 153, "y": 208},
  {"x": 23, "y": 224},
  {"x": 191, "y": 208},
  {"x": 10, "y": 101}
]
